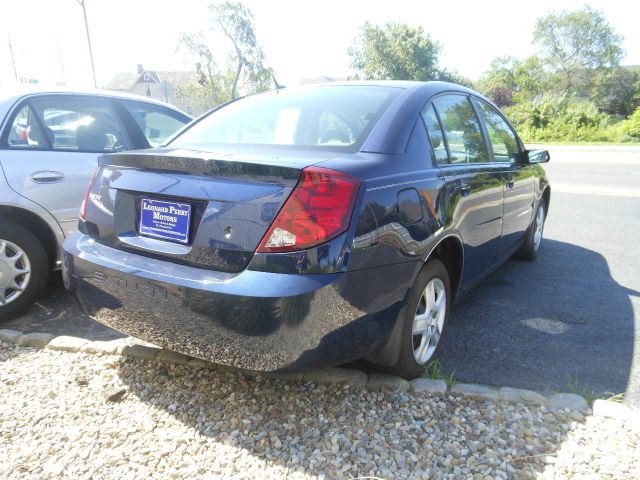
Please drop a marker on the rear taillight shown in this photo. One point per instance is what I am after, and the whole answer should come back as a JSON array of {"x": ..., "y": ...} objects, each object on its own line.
[
  {"x": 85, "y": 200},
  {"x": 318, "y": 210}
]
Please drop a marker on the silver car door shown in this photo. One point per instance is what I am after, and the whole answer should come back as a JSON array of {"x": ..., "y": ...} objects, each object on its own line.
[{"x": 51, "y": 148}]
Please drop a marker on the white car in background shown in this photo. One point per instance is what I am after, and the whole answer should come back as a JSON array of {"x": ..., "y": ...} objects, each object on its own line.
[{"x": 50, "y": 141}]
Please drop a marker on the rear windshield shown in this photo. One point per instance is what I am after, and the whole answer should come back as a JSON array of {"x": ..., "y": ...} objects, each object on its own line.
[{"x": 327, "y": 117}]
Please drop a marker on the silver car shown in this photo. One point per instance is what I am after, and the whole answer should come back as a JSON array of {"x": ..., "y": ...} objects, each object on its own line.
[{"x": 49, "y": 145}]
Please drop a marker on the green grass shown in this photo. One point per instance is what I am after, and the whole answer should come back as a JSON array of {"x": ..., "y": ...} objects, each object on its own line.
[
  {"x": 614, "y": 397},
  {"x": 433, "y": 371},
  {"x": 575, "y": 386},
  {"x": 589, "y": 395},
  {"x": 583, "y": 391}
]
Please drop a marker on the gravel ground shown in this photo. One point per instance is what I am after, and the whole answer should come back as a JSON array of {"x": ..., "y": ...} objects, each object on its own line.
[{"x": 90, "y": 416}]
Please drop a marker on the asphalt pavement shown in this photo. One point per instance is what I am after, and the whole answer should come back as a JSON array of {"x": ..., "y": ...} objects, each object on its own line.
[
  {"x": 568, "y": 321},
  {"x": 571, "y": 319}
]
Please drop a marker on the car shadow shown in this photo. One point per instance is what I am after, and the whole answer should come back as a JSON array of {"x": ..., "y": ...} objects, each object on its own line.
[
  {"x": 57, "y": 313},
  {"x": 235, "y": 411},
  {"x": 560, "y": 323}
]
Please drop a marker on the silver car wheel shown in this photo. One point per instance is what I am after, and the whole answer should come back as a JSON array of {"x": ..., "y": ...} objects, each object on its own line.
[
  {"x": 429, "y": 321},
  {"x": 539, "y": 227},
  {"x": 15, "y": 271}
]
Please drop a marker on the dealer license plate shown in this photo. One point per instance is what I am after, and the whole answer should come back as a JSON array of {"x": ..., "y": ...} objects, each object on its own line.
[{"x": 166, "y": 220}]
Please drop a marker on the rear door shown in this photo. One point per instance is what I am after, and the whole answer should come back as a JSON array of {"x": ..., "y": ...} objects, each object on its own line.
[
  {"x": 473, "y": 184},
  {"x": 50, "y": 145},
  {"x": 519, "y": 178}
]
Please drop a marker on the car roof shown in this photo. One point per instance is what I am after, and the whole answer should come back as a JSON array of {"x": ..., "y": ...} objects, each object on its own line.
[{"x": 10, "y": 95}]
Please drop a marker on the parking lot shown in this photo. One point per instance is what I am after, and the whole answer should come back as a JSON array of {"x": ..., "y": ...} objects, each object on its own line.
[{"x": 568, "y": 321}]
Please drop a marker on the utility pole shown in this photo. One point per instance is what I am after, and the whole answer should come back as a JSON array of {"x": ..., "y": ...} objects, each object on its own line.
[
  {"x": 13, "y": 61},
  {"x": 63, "y": 78},
  {"x": 86, "y": 27}
]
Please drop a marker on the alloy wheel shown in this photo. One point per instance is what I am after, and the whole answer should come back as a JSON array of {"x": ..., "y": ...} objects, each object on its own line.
[
  {"x": 15, "y": 271},
  {"x": 429, "y": 321}
]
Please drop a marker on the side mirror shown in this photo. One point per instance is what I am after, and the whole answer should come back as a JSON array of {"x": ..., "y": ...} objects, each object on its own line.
[{"x": 538, "y": 156}]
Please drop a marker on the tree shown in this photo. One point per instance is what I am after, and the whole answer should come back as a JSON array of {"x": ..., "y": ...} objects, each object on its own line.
[
  {"x": 236, "y": 22},
  {"x": 510, "y": 80},
  {"x": 531, "y": 78},
  {"x": 614, "y": 90},
  {"x": 396, "y": 51},
  {"x": 245, "y": 69},
  {"x": 209, "y": 90},
  {"x": 576, "y": 42}
]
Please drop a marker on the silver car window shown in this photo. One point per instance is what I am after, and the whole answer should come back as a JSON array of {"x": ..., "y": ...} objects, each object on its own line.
[{"x": 80, "y": 123}]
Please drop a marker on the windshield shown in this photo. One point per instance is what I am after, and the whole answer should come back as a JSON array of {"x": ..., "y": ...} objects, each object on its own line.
[{"x": 326, "y": 117}]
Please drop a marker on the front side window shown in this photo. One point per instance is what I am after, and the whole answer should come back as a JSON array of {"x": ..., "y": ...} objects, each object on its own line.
[
  {"x": 79, "y": 123},
  {"x": 435, "y": 134},
  {"x": 330, "y": 117},
  {"x": 462, "y": 130},
  {"x": 25, "y": 132},
  {"x": 156, "y": 123},
  {"x": 502, "y": 139}
]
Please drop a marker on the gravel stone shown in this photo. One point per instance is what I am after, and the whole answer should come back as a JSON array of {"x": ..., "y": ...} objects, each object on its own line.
[
  {"x": 428, "y": 386},
  {"x": 381, "y": 381},
  {"x": 330, "y": 376},
  {"x": 38, "y": 340},
  {"x": 142, "y": 352},
  {"x": 109, "y": 347},
  {"x": 9, "y": 336},
  {"x": 176, "y": 421},
  {"x": 114, "y": 395},
  {"x": 560, "y": 401},
  {"x": 473, "y": 391},
  {"x": 176, "y": 358},
  {"x": 289, "y": 377},
  {"x": 66, "y": 344},
  {"x": 199, "y": 363},
  {"x": 515, "y": 395}
]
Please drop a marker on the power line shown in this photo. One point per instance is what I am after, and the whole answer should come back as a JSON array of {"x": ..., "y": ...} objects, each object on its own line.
[{"x": 13, "y": 61}]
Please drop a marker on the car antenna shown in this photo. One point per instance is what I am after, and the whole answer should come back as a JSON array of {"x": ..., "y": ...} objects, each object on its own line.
[{"x": 278, "y": 86}]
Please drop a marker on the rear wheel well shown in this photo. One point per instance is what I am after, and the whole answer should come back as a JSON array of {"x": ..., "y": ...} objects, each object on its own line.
[
  {"x": 35, "y": 225},
  {"x": 449, "y": 251}
]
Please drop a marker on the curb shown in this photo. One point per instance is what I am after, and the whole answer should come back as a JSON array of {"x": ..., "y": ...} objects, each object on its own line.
[{"x": 127, "y": 348}]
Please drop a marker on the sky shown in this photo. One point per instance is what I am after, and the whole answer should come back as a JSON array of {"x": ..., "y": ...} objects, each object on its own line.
[{"x": 301, "y": 38}]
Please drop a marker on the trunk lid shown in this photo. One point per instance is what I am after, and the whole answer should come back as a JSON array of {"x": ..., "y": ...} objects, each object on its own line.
[{"x": 208, "y": 210}]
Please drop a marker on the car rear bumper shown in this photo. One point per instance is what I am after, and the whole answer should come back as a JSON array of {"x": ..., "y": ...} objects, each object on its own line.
[{"x": 254, "y": 320}]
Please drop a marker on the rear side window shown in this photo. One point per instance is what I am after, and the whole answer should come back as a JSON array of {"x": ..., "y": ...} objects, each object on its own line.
[
  {"x": 331, "y": 117},
  {"x": 25, "y": 132},
  {"x": 462, "y": 130},
  {"x": 435, "y": 134},
  {"x": 79, "y": 123},
  {"x": 156, "y": 123},
  {"x": 502, "y": 139}
]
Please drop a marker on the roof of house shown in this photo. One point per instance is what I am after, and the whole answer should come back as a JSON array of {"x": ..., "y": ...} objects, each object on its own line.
[{"x": 126, "y": 80}]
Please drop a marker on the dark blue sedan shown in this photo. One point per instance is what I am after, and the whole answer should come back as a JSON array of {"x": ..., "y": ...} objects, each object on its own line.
[{"x": 306, "y": 228}]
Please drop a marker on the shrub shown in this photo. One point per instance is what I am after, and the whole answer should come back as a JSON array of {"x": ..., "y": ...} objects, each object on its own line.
[
  {"x": 556, "y": 119},
  {"x": 632, "y": 125}
]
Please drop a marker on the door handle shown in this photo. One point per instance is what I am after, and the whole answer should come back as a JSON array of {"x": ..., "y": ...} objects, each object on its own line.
[
  {"x": 47, "y": 176},
  {"x": 510, "y": 181}
]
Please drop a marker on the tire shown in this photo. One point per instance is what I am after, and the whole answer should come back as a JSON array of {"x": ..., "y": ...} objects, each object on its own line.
[
  {"x": 413, "y": 359},
  {"x": 20, "y": 251},
  {"x": 531, "y": 247}
]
